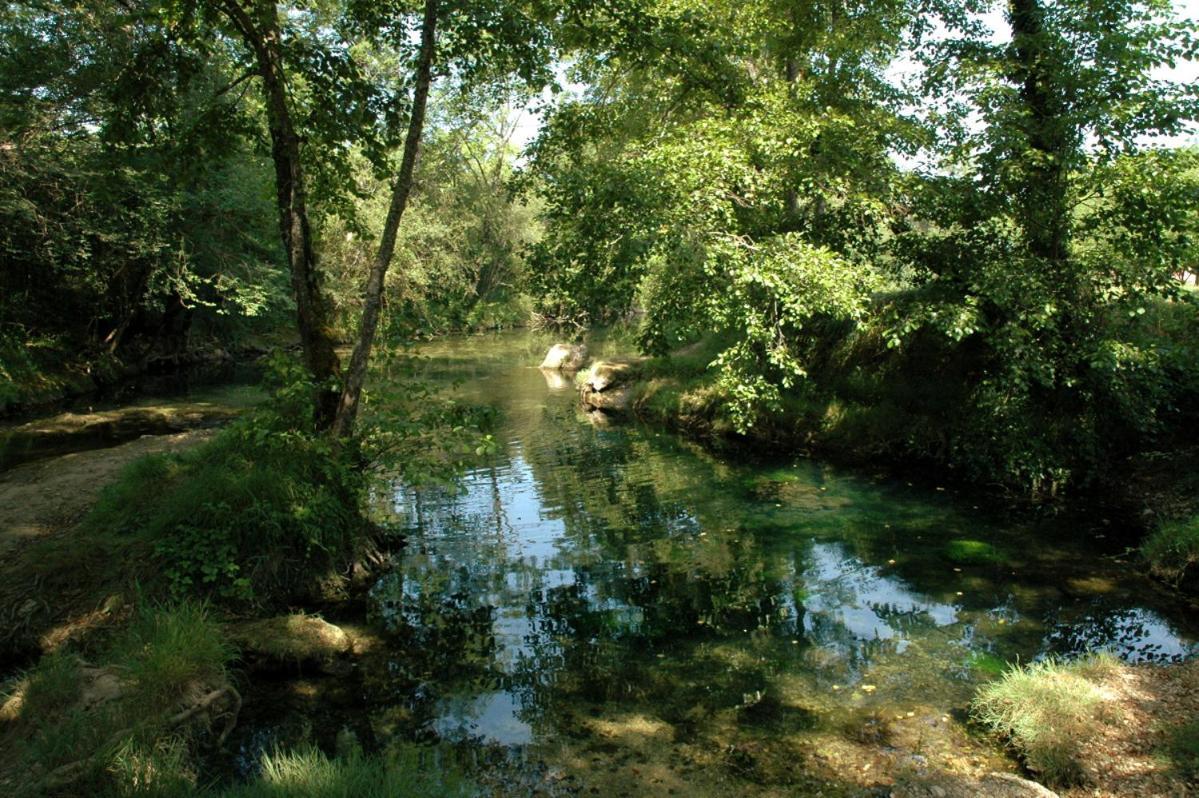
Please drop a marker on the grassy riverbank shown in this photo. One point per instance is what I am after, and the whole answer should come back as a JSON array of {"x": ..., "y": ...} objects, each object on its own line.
[
  {"x": 140, "y": 611},
  {"x": 1096, "y": 726}
]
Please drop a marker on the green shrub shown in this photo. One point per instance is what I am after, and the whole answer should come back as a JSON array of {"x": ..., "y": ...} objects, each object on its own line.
[
  {"x": 1173, "y": 549},
  {"x": 1046, "y": 711}
]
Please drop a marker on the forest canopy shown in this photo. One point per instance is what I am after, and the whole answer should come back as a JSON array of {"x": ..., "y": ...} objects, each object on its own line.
[{"x": 971, "y": 220}]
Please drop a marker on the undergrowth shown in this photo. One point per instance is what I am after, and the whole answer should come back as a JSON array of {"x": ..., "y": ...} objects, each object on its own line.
[
  {"x": 266, "y": 509},
  {"x": 1172, "y": 550},
  {"x": 74, "y": 726}
]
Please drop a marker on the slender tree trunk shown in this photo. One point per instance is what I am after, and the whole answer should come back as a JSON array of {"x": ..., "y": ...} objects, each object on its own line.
[
  {"x": 259, "y": 26},
  {"x": 347, "y": 410},
  {"x": 1042, "y": 194}
]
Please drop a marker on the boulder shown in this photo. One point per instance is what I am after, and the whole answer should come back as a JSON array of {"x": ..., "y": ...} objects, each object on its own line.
[
  {"x": 607, "y": 374},
  {"x": 565, "y": 357},
  {"x": 292, "y": 640},
  {"x": 615, "y": 400},
  {"x": 608, "y": 385}
]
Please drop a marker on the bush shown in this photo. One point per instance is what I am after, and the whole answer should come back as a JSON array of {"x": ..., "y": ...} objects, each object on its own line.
[
  {"x": 1173, "y": 549},
  {"x": 1046, "y": 711}
]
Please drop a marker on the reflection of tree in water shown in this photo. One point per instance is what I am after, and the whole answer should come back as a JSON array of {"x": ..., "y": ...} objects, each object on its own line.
[
  {"x": 1136, "y": 635},
  {"x": 585, "y": 566}
]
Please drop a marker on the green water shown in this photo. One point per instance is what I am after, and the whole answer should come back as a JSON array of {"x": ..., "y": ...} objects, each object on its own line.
[{"x": 610, "y": 609}]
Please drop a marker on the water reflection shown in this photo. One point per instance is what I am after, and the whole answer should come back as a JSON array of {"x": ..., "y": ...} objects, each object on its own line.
[{"x": 591, "y": 574}]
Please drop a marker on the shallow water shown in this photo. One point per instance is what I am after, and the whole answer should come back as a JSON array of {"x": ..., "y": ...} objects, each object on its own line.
[{"x": 609, "y": 609}]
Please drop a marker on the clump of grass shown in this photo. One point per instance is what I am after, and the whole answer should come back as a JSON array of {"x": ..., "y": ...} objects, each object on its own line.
[
  {"x": 1182, "y": 747},
  {"x": 164, "y": 651},
  {"x": 1173, "y": 549},
  {"x": 156, "y": 769},
  {"x": 1047, "y": 711},
  {"x": 308, "y": 773}
]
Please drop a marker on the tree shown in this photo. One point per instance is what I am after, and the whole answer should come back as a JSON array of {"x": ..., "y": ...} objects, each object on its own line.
[
  {"x": 104, "y": 256},
  {"x": 351, "y": 394},
  {"x": 258, "y": 24}
]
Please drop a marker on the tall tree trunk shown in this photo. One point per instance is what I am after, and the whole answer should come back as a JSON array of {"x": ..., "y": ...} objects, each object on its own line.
[
  {"x": 1042, "y": 194},
  {"x": 259, "y": 26},
  {"x": 351, "y": 395}
]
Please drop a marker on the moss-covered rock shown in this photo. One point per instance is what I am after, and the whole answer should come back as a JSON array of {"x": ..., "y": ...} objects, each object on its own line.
[{"x": 290, "y": 641}]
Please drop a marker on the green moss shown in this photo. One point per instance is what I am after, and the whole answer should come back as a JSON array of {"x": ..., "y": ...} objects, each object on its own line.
[
  {"x": 1173, "y": 549},
  {"x": 987, "y": 664},
  {"x": 972, "y": 551},
  {"x": 1046, "y": 711}
]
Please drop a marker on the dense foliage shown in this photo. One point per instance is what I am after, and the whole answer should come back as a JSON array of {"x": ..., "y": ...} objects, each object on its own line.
[
  {"x": 849, "y": 201},
  {"x": 1024, "y": 259}
]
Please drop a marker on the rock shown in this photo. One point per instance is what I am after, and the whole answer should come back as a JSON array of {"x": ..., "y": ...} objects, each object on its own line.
[
  {"x": 72, "y": 432},
  {"x": 609, "y": 385},
  {"x": 948, "y": 785},
  {"x": 565, "y": 357},
  {"x": 292, "y": 640},
  {"x": 611, "y": 373},
  {"x": 99, "y": 686},
  {"x": 617, "y": 400}
]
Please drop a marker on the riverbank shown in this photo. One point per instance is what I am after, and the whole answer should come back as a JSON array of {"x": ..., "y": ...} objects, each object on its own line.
[{"x": 57, "y": 575}]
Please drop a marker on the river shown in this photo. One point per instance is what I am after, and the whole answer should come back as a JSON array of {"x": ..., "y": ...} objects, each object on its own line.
[{"x": 605, "y": 608}]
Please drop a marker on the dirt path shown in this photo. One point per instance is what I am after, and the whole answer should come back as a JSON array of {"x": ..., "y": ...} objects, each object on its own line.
[{"x": 39, "y": 498}]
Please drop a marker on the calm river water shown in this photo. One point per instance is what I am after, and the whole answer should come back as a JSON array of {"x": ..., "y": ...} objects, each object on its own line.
[{"x": 610, "y": 609}]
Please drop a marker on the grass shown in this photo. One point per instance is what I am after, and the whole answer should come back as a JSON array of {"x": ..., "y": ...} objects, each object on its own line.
[
  {"x": 1182, "y": 749},
  {"x": 308, "y": 773},
  {"x": 98, "y": 720},
  {"x": 1046, "y": 711},
  {"x": 1172, "y": 550}
]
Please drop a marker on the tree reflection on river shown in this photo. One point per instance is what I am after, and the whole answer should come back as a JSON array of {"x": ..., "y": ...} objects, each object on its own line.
[{"x": 609, "y": 593}]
